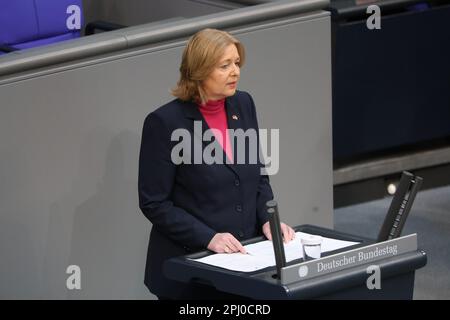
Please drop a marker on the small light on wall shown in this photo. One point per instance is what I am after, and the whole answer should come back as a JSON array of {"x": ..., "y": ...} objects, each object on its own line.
[{"x": 391, "y": 188}]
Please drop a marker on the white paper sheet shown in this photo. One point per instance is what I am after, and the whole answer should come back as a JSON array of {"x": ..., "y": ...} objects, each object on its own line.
[{"x": 260, "y": 255}]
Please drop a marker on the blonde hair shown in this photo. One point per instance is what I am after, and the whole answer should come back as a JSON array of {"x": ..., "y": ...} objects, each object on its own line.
[{"x": 200, "y": 56}]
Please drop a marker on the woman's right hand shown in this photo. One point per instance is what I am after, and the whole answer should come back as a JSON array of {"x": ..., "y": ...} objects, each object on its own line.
[{"x": 225, "y": 243}]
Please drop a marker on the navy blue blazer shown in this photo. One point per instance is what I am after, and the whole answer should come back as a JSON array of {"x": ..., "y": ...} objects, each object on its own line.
[{"x": 188, "y": 204}]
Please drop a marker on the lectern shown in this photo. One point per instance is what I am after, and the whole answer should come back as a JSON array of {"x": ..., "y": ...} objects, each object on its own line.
[{"x": 339, "y": 274}]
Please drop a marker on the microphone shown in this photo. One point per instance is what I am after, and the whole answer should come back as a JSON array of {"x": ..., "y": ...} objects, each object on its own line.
[{"x": 277, "y": 238}]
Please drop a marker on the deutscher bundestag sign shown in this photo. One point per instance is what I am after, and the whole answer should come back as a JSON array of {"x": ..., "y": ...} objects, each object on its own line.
[{"x": 348, "y": 259}]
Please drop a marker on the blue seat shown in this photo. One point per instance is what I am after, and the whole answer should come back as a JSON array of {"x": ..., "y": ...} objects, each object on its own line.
[
  {"x": 420, "y": 6},
  {"x": 31, "y": 23}
]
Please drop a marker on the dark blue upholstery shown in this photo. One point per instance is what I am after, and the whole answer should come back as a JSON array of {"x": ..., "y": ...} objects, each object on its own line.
[{"x": 30, "y": 23}]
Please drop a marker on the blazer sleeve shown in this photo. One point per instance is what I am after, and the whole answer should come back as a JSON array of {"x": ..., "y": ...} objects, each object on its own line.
[
  {"x": 156, "y": 180},
  {"x": 264, "y": 192}
]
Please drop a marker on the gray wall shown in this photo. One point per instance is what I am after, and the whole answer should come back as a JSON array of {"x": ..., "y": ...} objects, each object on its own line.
[
  {"x": 69, "y": 143},
  {"x": 135, "y": 12}
]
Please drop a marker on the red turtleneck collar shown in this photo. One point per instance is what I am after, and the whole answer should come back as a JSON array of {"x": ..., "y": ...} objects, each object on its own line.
[
  {"x": 216, "y": 118},
  {"x": 212, "y": 106}
]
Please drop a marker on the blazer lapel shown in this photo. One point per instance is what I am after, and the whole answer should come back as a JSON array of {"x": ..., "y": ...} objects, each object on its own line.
[
  {"x": 192, "y": 112},
  {"x": 234, "y": 122}
]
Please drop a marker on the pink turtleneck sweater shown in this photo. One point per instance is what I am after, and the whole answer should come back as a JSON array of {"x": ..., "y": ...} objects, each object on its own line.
[{"x": 216, "y": 118}]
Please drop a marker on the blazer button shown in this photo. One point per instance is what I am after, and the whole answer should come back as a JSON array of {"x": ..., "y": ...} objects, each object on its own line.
[
  {"x": 236, "y": 183},
  {"x": 241, "y": 234},
  {"x": 238, "y": 208}
]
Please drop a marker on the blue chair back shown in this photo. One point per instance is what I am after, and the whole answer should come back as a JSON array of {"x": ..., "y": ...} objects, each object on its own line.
[{"x": 30, "y": 23}]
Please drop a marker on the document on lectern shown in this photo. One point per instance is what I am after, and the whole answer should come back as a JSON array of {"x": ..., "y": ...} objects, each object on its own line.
[{"x": 260, "y": 255}]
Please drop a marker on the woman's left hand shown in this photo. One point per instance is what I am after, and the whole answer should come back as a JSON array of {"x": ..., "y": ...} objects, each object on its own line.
[{"x": 287, "y": 231}]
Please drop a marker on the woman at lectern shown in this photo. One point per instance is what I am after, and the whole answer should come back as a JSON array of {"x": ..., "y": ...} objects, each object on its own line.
[{"x": 202, "y": 189}]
